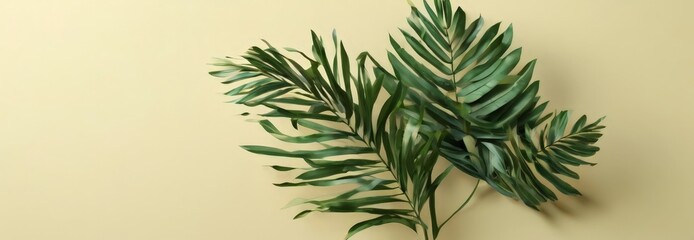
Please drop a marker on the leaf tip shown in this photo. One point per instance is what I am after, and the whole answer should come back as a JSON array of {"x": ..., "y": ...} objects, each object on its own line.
[{"x": 302, "y": 214}]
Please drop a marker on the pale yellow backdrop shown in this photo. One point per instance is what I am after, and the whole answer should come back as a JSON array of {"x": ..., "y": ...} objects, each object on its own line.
[{"x": 110, "y": 127}]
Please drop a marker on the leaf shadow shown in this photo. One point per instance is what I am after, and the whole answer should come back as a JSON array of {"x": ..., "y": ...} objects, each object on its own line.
[{"x": 573, "y": 207}]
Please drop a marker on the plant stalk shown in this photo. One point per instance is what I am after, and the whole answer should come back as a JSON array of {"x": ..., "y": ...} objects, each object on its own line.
[
  {"x": 409, "y": 201},
  {"x": 432, "y": 210},
  {"x": 462, "y": 205}
]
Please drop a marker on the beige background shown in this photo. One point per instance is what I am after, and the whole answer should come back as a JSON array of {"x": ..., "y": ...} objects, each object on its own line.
[{"x": 110, "y": 127}]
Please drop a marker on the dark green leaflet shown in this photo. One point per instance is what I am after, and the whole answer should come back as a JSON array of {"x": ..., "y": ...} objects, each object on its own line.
[
  {"x": 454, "y": 90},
  {"x": 494, "y": 104}
]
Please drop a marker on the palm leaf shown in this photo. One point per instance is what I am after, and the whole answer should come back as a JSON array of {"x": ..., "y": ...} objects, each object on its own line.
[
  {"x": 455, "y": 90},
  {"x": 386, "y": 158},
  {"x": 466, "y": 78}
]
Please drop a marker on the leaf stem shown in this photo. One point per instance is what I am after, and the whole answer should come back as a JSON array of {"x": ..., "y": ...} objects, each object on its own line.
[
  {"x": 432, "y": 210},
  {"x": 409, "y": 200},
  {"x": 462, "y": 205},
  {"x": 455, "y": 87},
  {"x": 451, "y": 53}
]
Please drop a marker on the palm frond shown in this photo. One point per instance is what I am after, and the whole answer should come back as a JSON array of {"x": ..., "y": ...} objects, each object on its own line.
[
  {"x": 466, "y": 80},
  {"x": 455, "y": 90},
  {"x": 385, "y": 157}
]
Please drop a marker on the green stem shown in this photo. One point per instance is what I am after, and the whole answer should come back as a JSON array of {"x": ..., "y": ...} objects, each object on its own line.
[
  {"x": 462, "y": 205},
  {"x": 455, "y": 87},
  {"x": 375, "y": 150},
  {"x": 409, "y": 201},
  {"x": 432, "y": 209},
  {"x": 450, "y": 45}
]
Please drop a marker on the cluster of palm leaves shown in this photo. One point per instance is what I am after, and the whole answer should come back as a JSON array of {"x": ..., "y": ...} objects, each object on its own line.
[{"x": 452, "y": 92}]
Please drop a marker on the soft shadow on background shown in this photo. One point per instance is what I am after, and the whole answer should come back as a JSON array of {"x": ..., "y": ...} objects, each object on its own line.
[{"x": 110, "y": 127}]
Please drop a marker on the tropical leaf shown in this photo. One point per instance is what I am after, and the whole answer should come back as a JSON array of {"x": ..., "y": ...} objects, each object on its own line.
[
  {"x": 454, "y": 89},
  {"x": 466, "y": 79},
  {"x": 386, "y": 158}
]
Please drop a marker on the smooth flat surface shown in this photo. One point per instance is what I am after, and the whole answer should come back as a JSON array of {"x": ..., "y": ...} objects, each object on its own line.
[{"x": 110, "y": 127}]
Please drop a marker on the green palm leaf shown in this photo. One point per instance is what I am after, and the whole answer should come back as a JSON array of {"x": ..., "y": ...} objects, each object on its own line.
[
  {"x": 454, "y": 89},
  {"x": 386, "y": 158},
  {"x": 469, "y": 86}
]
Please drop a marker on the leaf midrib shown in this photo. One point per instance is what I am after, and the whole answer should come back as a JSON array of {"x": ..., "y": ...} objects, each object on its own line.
[{"x": 374, "y": 150}]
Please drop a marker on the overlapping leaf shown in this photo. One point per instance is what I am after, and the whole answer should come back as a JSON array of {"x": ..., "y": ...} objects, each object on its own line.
[
  {"x": 455, "y": 89},
  {"x": 385, "y": 155},
  {"x": 469, "y": 84}
]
